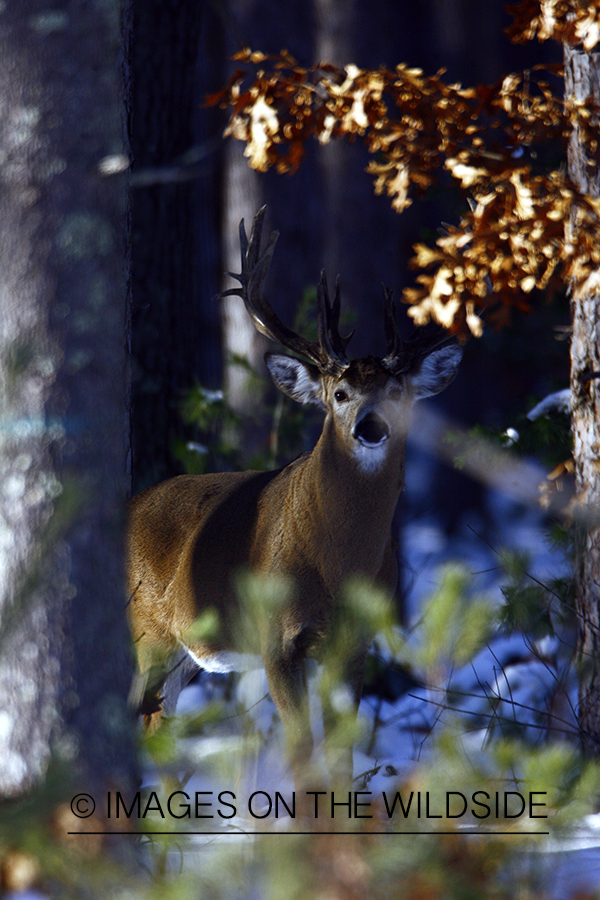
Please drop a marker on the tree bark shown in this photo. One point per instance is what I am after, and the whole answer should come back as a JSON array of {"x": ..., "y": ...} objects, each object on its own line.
[
  {"x": 65, "y": 662},
  {"x": 176, "y": 61},
  {"x": 582, "y": 85}
]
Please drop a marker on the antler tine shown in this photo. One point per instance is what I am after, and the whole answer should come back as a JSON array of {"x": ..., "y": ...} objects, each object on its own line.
[
  {"x": 330, "y": 340},
  {"x": 405, "y": 355},
  {"x": 252, "y": 249},
  {"x": 254, "y": 271},
  {"x": 328, "y": 352},
  {"x": 394, "y": 341},
  {"x": 335, "y": 312},
  {"x": 323, "y": 309}
]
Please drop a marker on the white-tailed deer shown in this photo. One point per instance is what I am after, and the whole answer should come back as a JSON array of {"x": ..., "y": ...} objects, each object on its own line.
[{"x": 318, "y": 521}]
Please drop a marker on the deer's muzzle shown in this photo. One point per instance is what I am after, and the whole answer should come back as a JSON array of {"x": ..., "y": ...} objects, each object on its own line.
[{"x": 372, "y": 430}]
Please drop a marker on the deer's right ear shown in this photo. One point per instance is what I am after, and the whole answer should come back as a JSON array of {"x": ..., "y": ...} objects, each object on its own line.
[{"x": 297, "y": 379}]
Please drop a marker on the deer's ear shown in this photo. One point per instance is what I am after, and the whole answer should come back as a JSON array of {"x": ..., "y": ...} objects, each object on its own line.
[
  {"x": 297, "y": 379},
  {"x": 436, "y": 371}
]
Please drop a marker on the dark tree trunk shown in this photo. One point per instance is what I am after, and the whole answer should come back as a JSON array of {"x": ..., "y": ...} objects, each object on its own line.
[
  {"x": 582, "y": 85},
  {"x": 175, "y": 330},
  {"x": 65, "y": 662}
]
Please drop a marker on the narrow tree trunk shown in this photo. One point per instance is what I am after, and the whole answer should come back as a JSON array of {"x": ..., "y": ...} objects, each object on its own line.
[
  {"x": 242, "y": 198},
  {"x": 65, "y": 665},
  {"x": 582, "y": 85},
  {"x": 175, "y": 265}
]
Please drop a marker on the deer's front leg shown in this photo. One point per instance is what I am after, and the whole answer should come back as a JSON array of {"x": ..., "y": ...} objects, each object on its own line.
[{"x": 286, "y": 675}]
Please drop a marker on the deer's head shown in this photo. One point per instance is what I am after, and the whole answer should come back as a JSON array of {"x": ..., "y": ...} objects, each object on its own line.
[{"x": 366, "y": 399}]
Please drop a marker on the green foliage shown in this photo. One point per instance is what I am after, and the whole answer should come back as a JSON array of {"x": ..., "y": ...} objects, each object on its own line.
[
  {"x": 205, "y": 628},
  {"x": 548, "y": 437},
  {"x": 570, "y": 782},
  {"x": 374, "y": 856},
  {"x": 217, "y": 423},
  {"x": 262, "y": 598},
  {"x": 531, "y": 606},
  {"x": 453, "y": 628},
  {"x": 527, "y": 609}
]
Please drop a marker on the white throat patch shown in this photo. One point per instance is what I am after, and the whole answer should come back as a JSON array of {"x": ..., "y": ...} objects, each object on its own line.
[{"x": 370, "y": 459}]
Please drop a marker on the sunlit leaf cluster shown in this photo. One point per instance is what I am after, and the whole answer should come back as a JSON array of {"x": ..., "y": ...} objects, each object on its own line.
[
  {"x": 562, "y": 20},
  {"x": 522, "y": 232},
  {"x": 519, "y": 233}
]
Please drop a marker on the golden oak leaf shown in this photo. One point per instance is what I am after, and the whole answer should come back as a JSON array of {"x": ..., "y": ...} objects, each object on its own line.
[
  {"x": 474, "y": 323},
  {"x": 527, "y": 284},
  {"x": 425, "y": 256},
  {"x": 264, "y": 124},
  {"x": 467, "y": 175}
]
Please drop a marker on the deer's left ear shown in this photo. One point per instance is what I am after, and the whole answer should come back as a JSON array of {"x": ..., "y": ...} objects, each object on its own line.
[{"x": 436, "y": 371}]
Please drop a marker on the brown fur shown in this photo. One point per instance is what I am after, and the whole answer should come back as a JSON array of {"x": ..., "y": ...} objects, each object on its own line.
[{"x": 319, "y": 521}]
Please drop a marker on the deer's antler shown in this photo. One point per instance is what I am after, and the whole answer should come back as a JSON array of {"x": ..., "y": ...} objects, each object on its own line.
[
  {"x": 329, "y": 352},
  {"x": 404, "y": 356}
]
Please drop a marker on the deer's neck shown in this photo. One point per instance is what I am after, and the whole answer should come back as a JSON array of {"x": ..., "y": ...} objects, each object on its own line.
[{"x": 350, "y": 508}]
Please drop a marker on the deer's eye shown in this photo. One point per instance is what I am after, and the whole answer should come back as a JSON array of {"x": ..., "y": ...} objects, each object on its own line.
[{"x": 341, "y": 396}]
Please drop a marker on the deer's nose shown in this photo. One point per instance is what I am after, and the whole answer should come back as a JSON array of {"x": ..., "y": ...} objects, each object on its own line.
[{"x": 371, "y": 430}]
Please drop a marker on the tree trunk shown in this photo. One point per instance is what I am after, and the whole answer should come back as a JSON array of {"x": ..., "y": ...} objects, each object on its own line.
[
  {"x": 65, "y": 662},
  {"x": 582, "y": 85},
  {"x": 176, "y": 61}
]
